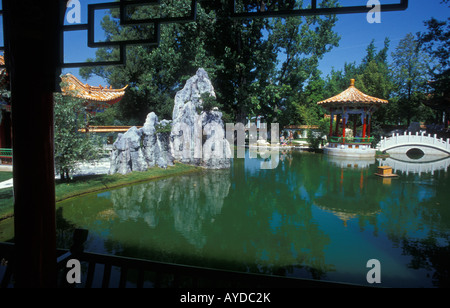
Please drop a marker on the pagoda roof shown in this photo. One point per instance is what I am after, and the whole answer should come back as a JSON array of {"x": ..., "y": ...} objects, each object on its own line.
[
  {"x": 352, "y": 97},
  {"x": 95, "y": 98},
  {"x": 90, "y": 93}
]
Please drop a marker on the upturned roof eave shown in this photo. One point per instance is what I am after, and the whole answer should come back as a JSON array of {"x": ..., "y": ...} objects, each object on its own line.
[
  {"x": 352, "y": 97},
  {"x": 92, "y": 93}
]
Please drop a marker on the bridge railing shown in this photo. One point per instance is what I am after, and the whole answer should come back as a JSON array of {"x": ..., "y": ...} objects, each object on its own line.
[{"x": 409, "y": 139}]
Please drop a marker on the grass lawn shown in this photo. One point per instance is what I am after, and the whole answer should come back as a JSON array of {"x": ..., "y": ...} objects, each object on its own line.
[
  {"x": 6, "y": 196},
  {"x": 87, "y": 184},
  {"x": 5, "y": 175}
]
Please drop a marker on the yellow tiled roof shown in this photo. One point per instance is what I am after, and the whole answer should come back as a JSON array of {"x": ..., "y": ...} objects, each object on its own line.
[
  {"x": 92, "y": 94},
  {"x": 352, "y": 96},
  {"x": 94, "y": 97}
]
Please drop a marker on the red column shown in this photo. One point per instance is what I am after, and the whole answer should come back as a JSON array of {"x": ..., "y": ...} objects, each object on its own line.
[
  {"x": 364, "y": 128},
  {"x": 368, "y": 131},
  {"x": 361, "y": 181}
]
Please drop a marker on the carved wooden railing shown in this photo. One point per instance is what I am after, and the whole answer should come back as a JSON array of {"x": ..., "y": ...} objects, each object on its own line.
[{"x": 108, "y": 271}]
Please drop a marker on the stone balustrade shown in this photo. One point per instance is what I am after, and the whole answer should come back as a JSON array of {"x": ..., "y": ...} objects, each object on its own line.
[{"x": 401, "y": 143}]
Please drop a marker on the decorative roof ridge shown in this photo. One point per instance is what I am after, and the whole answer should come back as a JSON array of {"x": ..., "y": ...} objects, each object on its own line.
[
  {"x": 76, "y": 82},
  {"x": 92, "y": 95},
  {"x": 353, "y": 95}
]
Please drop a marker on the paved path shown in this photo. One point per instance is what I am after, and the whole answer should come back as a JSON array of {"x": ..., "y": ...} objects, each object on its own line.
[
  {"x": 101, "y": 167},
  {"x": 6, "y": 184}
]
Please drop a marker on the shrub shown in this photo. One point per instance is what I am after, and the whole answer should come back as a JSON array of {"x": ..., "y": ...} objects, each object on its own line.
[
  {"x": 314, "y": 140},
  {"x": 163, "y": 127},
  {"x": 209, "y": 102}
]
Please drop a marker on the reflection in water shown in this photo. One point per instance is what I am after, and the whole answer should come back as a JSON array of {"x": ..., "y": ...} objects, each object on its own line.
[
  {"x": 426, "y": 164},
  {"x": 351, "y": 162},
  {"x": 313, "y": 216},
  {"x": 181, "y": 195}
]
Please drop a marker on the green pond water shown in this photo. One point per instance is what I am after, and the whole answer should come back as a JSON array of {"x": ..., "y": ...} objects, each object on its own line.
[{"x": 313, "y": 216}]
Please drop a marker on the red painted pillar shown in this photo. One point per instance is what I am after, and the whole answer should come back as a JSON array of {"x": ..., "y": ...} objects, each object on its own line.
[
  {"x": 361, "y": 181},
  {"x": 368, "y": 130},
  {"x": 364, "y": 128}
]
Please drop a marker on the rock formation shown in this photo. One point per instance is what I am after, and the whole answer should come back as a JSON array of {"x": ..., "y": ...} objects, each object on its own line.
[
  {"x": 216, "y": 153},
  {"x": 191, "y": 124},
  {"x": 195, "y": 135},
  {"x": 127, "y": 154}
]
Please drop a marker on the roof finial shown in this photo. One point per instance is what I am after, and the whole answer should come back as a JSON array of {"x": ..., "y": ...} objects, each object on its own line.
[{"x": 352, "y": 82}]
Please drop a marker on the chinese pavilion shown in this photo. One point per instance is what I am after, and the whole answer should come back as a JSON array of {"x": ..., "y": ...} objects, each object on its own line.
[
  {"x": 95, "y": 99},
  {"x": 351, "y": 105}
]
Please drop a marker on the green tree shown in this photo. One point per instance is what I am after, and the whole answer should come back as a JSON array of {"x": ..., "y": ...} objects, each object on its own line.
[
  {"x": 305, "y": 110},
  {"x": 71, "y": 146},
  {"x": 339, "y": 80},
  {"x": 301, "y": 43},
  {"x": 436, "y": 43},
  {"x": 258, "y": 66},
  {"x": 153, "y": 74},
  {"x": 410, "y": 73},
  {"x": 375, "y": 79}
]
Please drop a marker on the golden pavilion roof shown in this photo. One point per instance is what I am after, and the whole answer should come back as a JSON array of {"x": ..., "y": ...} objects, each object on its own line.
[
  {"x": 352, "y": 96},
  {"x": 90, "y": 93},
  {"x": 95, "y": 98}
]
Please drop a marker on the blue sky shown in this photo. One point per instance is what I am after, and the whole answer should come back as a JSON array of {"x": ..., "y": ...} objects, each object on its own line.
[{"x": 356, "y": 33}]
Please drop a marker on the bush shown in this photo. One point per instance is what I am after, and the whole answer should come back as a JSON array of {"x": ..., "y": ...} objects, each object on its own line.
[
  {"x": 314, "y": 140},
  {"x": 209, "y": 102},
  {"x": 163, "y": 127}
]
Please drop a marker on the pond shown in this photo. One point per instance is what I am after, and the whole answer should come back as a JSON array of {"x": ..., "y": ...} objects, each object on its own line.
[{"x": 313, "y": 216}]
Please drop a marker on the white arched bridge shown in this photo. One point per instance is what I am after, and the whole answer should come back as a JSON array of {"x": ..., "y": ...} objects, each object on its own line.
[{"x": 401, "y": 144}]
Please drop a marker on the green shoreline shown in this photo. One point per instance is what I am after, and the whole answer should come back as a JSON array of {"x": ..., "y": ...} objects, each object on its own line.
[{"x": 83, "y": 185}]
